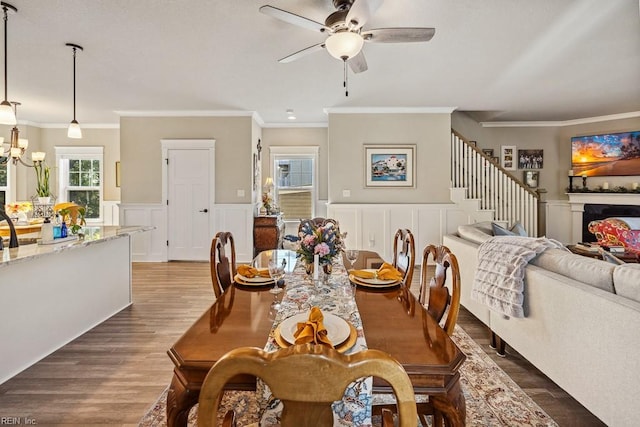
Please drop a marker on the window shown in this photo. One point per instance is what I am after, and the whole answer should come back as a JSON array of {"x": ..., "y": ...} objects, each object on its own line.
[
  {"x": 80, "y": 178},
  {"x": 294, "y": 171}
]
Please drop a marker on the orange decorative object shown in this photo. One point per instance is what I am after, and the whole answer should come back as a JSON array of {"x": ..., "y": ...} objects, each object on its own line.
[{"x": 617, "y": 232}]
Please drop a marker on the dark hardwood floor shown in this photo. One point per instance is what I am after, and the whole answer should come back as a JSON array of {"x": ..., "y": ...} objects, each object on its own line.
[{"x": 112, "y": 374}]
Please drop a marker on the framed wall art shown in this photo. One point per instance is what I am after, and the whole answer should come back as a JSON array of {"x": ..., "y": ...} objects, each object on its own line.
[
  {"x": 530, "y": 159},
  {"x": 389, "y": 165},
  {"x": 487, "y": 152},
  {"x": 531, "y": 178},
  {"x": 609, "y": 154},
  {"x": 508, "y": 157}
]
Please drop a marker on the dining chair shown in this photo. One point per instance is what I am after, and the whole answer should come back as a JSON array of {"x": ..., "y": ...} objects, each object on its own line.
[
  {"x": 319, "y": 222},
  {"x": 434, "y": 294},
  {"x": 307, "y": 379},
  {"x": 222, "y": 270},
  {"x": 438, "y": 301},
  {"x": 404, "y": 254}
]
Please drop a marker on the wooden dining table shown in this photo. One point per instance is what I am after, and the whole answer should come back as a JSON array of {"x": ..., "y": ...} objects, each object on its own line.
[{"x": 392, "y": 320}]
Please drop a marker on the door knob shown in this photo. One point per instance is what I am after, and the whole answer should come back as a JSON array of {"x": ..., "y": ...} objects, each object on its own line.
[{"x": 204, "y": 210}]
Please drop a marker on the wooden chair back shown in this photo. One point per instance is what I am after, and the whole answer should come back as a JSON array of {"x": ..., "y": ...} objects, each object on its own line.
[
  {"x": 433, "y": 290},
  {"x": 319, "y": 222},
  {"x": 404, "y": 254},
  {"x": 307, "y": 379},
  {"x": 223, "y": 270}
]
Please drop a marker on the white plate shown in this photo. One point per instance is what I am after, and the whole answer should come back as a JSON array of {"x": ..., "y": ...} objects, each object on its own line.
[
  {"x": 257, "y": 279},
  {"x": 337, "y": 328},
  {"x": 374, "y": 281}
]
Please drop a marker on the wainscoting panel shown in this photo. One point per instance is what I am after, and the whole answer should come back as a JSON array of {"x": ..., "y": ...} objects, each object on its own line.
[
  {"x": 110, "y": 212},
  {"x": 559, "y": 221},
  {"x": 238, "y": 219},
  {"x": 150, "y": 246},
  {"x": 375, "y": 225}
]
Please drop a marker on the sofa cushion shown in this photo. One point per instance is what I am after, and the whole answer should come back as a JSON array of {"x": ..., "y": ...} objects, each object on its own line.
[
  {"x": 477, "y": 233},
  {"x": 516, "y": 230},
  {"x": 626, "y": 279},
  {"x": 590, "y": 271}
]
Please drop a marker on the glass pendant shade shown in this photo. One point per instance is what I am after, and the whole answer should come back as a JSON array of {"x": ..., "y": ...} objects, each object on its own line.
[
  {"x": 74, "y": 130},
  {"x": 7, "y": 115},
  {"x": 344, "y": 44}
]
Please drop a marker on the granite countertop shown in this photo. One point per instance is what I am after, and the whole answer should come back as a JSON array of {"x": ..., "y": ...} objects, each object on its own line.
[{"x": 93, "y": 235}]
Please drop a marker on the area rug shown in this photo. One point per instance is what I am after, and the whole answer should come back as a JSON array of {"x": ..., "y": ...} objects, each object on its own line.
[{"x": 493, "y": 399}]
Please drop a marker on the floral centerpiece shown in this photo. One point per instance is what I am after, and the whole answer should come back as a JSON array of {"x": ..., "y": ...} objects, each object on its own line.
[{"x": 326, "y": 241}]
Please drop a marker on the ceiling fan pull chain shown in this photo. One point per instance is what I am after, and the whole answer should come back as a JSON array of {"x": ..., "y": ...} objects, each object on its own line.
[{"x": 345, "y": 81}]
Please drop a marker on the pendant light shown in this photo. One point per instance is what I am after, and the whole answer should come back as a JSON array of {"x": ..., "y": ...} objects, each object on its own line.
[
  {"x": 74, "y": 128},
  {"x": 7, "y": 115}
]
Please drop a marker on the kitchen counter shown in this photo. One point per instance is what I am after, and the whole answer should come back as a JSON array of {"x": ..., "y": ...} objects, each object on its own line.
[{"x": 51, "y": 294}]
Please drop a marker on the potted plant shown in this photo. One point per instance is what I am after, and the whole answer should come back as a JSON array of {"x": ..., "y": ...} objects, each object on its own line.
[{"x": 42, "y": 188}]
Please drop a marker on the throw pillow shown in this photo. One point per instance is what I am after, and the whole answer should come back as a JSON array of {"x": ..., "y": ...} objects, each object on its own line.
[{"x": 516, "y": 230}]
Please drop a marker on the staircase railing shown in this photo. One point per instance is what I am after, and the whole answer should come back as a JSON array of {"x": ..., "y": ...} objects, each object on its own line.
[{"x": 492, "y": 185}]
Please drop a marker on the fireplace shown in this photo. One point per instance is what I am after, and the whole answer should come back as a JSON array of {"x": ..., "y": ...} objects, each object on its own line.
[
  {"x": 605, "y": 205},
  {"x": 593, "y": 212}
]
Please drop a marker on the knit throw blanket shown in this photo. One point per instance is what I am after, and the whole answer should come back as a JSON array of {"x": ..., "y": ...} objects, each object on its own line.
[{"x": 499, "y": 278}]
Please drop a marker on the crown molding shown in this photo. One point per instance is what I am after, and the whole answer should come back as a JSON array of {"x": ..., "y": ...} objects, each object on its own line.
[
  {"x": 390, "y": 110},
  {"x": 561, "y": 123},
  {"x": 296, "y": 125},
  {"x": 185, "y": 113}
]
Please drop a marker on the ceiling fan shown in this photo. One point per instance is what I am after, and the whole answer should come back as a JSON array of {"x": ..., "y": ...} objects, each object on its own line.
[{"x": 346, "y": 35}]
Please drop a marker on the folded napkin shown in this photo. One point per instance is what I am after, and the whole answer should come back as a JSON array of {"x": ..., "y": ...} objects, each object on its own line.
[
  {"x": 248, "y": 271},
  {"x": 385, "y": 272},
  {"x": 313, "y": 330}
]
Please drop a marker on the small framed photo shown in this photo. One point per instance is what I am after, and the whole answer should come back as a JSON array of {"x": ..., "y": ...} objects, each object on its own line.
[
  {"x": 530, "y": 159},
  {"x": 495, "y": 160},
  {"x": 474, "y": 143},
  {"x": 531, "y": 178},
  {"x": 389, "y": 165},
  {"x": 487, "y": 152},
  {"x": 508, "y": 157}
]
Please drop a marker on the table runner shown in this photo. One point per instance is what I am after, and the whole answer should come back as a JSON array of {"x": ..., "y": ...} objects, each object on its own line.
[{"x": 332, "y": 294}]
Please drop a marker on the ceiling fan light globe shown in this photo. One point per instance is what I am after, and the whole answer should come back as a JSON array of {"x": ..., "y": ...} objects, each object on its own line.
[
  {"x": 344, "y": 44},
  {"x": 74, "y": 130},
  {"x": 7, "y": 115}
]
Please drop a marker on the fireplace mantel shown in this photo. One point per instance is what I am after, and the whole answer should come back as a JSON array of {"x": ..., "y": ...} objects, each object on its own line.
[{"x": 578, "y": 200}]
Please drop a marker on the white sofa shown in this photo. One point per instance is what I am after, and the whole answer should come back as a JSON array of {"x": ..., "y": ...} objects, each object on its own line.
[{"x": 581, "y": 326}]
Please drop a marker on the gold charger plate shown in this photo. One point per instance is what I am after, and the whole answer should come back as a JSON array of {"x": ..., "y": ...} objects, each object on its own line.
[
  {"x": 342, "y": 347},
  {"x": 240, "y": 279},
  {"x": 361, "y": 282}
]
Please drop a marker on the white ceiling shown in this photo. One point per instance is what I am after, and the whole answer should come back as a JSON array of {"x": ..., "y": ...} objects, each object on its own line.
[{"x": 516, "y": 60}]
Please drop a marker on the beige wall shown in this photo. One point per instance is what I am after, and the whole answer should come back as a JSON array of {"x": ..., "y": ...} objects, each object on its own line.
[
  {"x": 316, "y": 136},
  {"x": 556, "y": 143},
  {"x": 141, "y": 154},
  {"x": 45, "y": 139},
  {"x": 431, "y": 133}
]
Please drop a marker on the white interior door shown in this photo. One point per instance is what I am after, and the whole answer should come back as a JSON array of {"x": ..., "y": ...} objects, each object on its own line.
[{"x": 189, "y": 181}]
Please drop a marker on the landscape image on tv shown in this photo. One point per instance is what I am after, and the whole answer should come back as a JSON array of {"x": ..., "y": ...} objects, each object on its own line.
[{"x": 606, "y": 155}]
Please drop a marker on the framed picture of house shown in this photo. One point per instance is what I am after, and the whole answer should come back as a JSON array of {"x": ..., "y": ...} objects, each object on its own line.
[
  {"x": 487, "y": 152},
  {"x": 530, "y": 159},
  {"x": 389, "y": 165},
  {"x": 508, "y": 157},
  {"x": 531, "y": 178}
]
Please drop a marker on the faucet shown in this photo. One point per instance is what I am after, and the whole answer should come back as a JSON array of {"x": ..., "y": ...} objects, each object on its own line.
[{"x": 13, "y": 240}]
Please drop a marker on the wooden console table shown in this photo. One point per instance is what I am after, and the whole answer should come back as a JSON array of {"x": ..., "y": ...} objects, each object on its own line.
[{"x": 268, "y": 232}]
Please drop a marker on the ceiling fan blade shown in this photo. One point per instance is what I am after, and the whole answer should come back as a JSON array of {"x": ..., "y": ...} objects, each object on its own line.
[
  {"x": 399, "y": 35},
  {"x": 360, "y": 12},
  {"x": 358, "y": 63},
  {"x": 294, "y": 19},
  {"x": 304, "y": 52}
]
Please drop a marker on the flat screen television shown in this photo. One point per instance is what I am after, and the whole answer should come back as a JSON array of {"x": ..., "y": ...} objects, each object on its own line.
[{"x": 607, "y": 154}]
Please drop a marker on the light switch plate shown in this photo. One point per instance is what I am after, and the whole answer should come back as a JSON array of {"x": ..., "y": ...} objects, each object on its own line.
[
  {"x": 240, "y": 193},
  {"x": 346, "y": 193}
]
